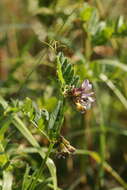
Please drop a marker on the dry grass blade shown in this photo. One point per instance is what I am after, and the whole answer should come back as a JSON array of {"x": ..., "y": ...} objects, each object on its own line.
[{"x": 106, "y": 166}]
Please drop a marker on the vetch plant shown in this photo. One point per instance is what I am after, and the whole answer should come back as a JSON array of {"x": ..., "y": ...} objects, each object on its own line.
[
  {"x": 81, "y": 96},
  {"x": 47, "y": 124}
]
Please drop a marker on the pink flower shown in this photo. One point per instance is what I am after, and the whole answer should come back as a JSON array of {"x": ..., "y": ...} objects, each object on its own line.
[{"x": 83, "y": 96}]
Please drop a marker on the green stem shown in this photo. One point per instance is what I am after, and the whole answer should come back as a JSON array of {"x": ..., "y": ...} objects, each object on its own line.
[
  {"x": 39, "y": 173},
  {"x": 102, "y": 140}
]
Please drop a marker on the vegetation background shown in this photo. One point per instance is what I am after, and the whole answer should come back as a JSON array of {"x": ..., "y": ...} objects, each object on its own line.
[{"x": 93, "y": 36}]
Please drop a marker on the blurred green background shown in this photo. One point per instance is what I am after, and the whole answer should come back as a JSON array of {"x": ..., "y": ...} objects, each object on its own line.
[{"x": 92, "y": 34}]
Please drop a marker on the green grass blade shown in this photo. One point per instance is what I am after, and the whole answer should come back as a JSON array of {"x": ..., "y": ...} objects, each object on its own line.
[
  {"x": 7, "y": 180},
  {"x": 26, "y": 133},
  {"x": 26, "y": 180},
  {"x": 114, "y": 63},
  {"x": 114, "y": 89},
  {"x": 40, "y": 171}
]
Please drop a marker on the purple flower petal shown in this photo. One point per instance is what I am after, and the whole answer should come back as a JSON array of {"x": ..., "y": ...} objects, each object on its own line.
[
  {"x": 85, "y": 95},
  {"x": 86, "y": 85}
]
